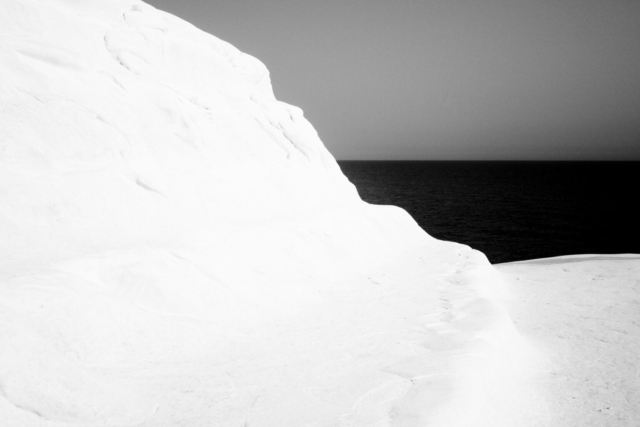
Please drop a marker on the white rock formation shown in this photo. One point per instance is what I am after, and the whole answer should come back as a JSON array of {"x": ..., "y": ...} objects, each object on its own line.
[
  {"x": 177, "y": 247},
  {"x": 584, "y": 311}
]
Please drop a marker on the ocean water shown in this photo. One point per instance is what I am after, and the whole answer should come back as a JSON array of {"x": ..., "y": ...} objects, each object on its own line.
[{"x": 513, "y": 211}]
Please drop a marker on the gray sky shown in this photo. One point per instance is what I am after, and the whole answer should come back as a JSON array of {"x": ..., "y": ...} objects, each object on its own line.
[{"x": 447, "y": 79}]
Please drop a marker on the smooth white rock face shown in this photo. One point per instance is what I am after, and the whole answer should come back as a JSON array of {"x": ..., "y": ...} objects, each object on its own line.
[
  {"x": 584, "y": 311},
  {"x": 178, "y": 248}
]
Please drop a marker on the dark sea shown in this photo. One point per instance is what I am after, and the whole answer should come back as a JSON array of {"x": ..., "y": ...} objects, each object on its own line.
[{"x": 513, "y": 211}]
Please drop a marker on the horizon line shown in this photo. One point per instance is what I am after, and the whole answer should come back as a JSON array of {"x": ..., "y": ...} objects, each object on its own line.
[{"x": 492, "y": 160}]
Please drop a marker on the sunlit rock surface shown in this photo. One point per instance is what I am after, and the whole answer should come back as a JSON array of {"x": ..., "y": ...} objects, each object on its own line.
[
  {"x": 177, "y": 247},
  {"x": 584, "y": 312}
]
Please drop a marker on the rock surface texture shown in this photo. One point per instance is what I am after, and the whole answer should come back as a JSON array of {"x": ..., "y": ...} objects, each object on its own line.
[{"x": 178, "y": 248}]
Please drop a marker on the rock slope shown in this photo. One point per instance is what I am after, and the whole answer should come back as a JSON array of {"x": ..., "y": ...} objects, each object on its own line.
[{"x": 179, "y": 248}]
